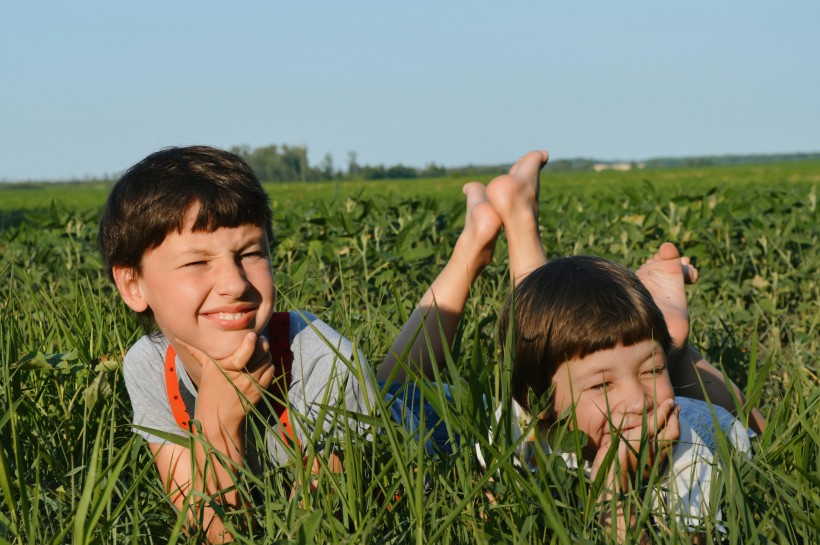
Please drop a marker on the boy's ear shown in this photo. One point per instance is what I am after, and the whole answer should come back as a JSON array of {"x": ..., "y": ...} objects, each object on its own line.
[{"x": 128, "y": 284}]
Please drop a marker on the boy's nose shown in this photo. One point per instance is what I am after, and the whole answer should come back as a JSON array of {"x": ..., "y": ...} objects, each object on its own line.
[
  {"x": 232, "y": 280},
  {"x": 638, "y": 400}
]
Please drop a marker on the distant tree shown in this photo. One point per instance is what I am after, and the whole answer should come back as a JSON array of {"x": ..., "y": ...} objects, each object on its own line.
[
  {"x": 294, "y": 159},
  {"x": 326, "y": 167},
  {"x": 433, "y": 170},
  {"x": 243, "y": 151},
  {"x": 377, "y": 172},
  {"x": 353, "y": 167},
  {"x": 398, "y": 172}
]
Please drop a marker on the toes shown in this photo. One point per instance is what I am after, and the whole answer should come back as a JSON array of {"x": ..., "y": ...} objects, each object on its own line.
[
  {"x": 530, "y": 163},
  {"x": 690, "y": 273},
  {"x": 475, "y": 192},
  {"x": 668, "y": 251}
]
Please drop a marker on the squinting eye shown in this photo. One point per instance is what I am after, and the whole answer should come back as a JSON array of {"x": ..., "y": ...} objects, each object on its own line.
[
  {"x": 656, "y": 371},
  {"x": 194, "y": 264},
  {"x": 599, "y": 387},
  {"x": 261, "y": 255}
]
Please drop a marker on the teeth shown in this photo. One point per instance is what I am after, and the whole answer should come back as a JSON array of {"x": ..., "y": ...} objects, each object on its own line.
[{"x": 230, "y": 315}]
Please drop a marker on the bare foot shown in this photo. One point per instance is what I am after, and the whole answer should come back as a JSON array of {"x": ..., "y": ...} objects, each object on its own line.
[
  {"x": 481, "y": 228},
  {"x": 664, "y": 275},
  {"x": 515, "y": 198},
  {"x": 512, "y": 193}
]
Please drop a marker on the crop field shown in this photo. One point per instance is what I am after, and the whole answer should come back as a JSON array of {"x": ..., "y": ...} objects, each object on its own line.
[{"x": 359, "y": 256}]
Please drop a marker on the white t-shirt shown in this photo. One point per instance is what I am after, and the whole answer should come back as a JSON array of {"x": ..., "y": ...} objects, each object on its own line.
[{"x": 685, "y": 486}]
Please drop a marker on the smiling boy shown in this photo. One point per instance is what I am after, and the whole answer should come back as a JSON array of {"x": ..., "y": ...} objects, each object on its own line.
[
  {"x": 610, "y": 345},
  {"x": 185, "y": 236},
  {"x": 588, "y": 329}
]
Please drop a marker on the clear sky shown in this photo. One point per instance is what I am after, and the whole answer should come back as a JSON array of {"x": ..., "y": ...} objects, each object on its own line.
[{"x": 87, "y": 88}]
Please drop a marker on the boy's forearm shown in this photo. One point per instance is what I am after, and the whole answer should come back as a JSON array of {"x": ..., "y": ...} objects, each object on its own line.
[
  {"x": 219, "y": 450},
  {"x": 179, "y": 469},
  {"x": 616, "y": 516}
]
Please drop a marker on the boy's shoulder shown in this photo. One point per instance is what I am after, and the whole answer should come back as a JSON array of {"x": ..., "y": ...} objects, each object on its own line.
[
  {"x": 700, "y": 420},
  {"x": 310, "y": 334},
  {"x": 147, "y": 349}
]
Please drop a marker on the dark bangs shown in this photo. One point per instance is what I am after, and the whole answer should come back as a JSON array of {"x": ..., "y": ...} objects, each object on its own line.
[
  {"x": 571, "y": 308},
  {"x": 154, "y": 196}
]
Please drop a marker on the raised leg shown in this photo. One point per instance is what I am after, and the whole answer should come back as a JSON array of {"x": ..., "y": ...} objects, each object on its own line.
[
  {"x": 444, "y": 301},
  {"x": 665, "y": 275},
  {"x": 515, "y": 198}
]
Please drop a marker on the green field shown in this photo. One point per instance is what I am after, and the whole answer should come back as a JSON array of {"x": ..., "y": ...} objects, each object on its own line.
[{"x": 359, "y": 255}]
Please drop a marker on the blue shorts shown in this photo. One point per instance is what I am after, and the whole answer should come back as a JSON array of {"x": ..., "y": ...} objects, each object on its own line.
[{"x": 406, "y": 406}]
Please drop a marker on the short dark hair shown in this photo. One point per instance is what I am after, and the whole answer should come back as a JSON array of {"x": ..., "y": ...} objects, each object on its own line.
[
  {"x": 153, "y": 197},
  {"x": 570, "y": 308}
]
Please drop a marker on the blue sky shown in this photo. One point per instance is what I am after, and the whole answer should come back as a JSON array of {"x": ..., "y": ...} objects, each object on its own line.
[{"x": 89, "y": 88}]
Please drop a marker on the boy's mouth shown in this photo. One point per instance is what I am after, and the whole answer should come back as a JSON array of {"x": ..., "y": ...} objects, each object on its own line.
[
  {"x": 231, "y": 320},
  {"x": 229, "y": 316}
]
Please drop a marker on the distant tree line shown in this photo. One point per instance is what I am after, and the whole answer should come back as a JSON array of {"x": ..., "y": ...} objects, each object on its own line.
[
  {"x": 708, "y": 160},
  {"x": 290, "y": 163},
  {"x": 286, "y": 163}
]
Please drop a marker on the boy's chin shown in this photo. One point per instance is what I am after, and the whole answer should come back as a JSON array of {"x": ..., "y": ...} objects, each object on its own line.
[{"x": 225, "y": 344}]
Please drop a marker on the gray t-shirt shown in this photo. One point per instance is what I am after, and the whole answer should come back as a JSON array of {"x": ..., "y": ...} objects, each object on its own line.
[{"x": 326, "y": 381}]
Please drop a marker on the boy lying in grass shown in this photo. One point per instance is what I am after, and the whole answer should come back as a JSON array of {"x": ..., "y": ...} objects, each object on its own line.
[
  {"x": 587, "y": 330},
  {"x": 603, "y": 347},
  {"x": 185, "y": 236}
]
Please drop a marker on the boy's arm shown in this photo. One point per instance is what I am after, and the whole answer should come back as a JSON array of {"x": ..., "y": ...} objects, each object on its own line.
[
  {"x": 693, "y": 369},
  {"x": 227, "y": 389},
  {"x": 177, "y": 474}
]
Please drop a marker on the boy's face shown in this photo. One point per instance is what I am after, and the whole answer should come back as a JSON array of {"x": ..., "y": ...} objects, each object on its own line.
[
  {"x": 207, "y": 289},
  {"x": 609, "y": 386}
]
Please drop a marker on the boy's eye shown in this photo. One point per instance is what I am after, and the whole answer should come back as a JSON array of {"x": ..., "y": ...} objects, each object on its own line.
[
  {"x": 655, "y": 371},
  {"x": 599, "y": 387},
  {"x": 195, "y": 264},
  {"x": 252, "y": 255}
]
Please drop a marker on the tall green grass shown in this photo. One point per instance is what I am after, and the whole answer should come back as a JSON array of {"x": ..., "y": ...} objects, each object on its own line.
[{"x": 71, "y": 471}]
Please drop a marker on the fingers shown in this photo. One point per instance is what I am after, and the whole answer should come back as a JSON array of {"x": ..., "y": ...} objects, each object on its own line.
[
  {"x": 671, "y": 431},
  {"x": 244, "y": 356},
  {"x": 668, "y": 251},
  {"x": 663, "y": 412},
  {"x": 253, "y": 354},
  {"x": 656, "y": 422}
]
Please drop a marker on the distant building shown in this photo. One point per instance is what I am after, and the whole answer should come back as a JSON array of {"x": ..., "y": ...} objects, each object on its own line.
[{"x": 598, "y": 167}]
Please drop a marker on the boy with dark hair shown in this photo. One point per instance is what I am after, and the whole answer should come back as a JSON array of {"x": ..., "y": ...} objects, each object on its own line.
[
  {"x": 587, "y": 329},
  {"x": 185, "y": 236},
  {"x": 609, "y": 344},
  {"x": 514, "y": 197}
]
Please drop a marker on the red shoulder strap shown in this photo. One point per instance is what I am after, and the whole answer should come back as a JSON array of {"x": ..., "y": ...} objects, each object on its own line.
[
  {"x": 172, "y": 388},
  {"x": 279, "y": 339},
  {"x": 282, "y": 357}
]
